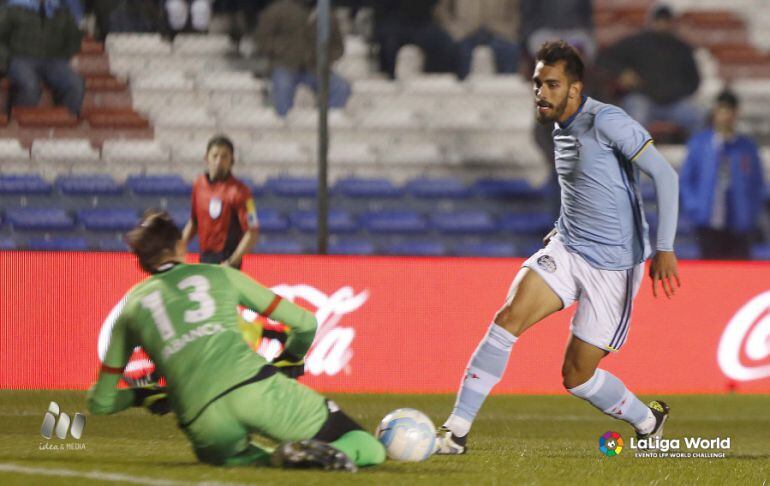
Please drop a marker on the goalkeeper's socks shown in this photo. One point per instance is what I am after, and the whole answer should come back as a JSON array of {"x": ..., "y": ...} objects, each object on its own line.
[
  {"x": 484, "y": 371},
  {"x": 361, "y": 447},
  {"x": 607, "y": 393}
]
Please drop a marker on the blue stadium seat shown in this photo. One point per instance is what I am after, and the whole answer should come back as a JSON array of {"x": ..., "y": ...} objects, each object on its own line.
[
  {"x": 88, "y": 185},
  {"x": 271, "y": 221},
  {"x": 687, "y": 251},
  {"x": 505, "y": 188},
  {"x": 292, "y": 186},
  {"x": 440, "y": 188},
  {"x": 416, "y": 248},
  {"x": 527, "y": 223},
  {"x": 75, "y": 243},
  {"x": 24, "y": 184},
  {"x": 180, "y": 216},
  {"x": 760, "y": 252},
  {"x": 112, "y": 244},
  {"x": 42, "y": 219},
  {"x": 464, "y": 222},
  {"x": 352, "y": 247},
  {"x": 108, "y": 219},
  {"x": 280, "y": 247},
  {"x": 256, "y": 189},
  {"x": 485, "y": 249},
  {"x": 158, "y": 185},
  {"x": 367, "y": 188},
  {"x": 529, "y": 248},
  {"x": 338, "y": 221},
  {"x": 401, "y": 222},
  {"x": 7, "y": 243}
]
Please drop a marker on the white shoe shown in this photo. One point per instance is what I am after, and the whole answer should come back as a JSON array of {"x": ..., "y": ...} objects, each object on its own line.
[{"x": 449, "y": 444}]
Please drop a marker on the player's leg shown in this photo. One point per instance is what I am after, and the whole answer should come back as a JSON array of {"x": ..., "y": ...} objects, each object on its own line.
[
  {"x": 599, "y": 326},
  {"x": 530, "y": 300}
]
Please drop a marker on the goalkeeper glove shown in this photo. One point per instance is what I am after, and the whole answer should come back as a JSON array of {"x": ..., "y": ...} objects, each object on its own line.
[
  {"x": 152, "y": 397},
  {"x": 289, "y": 365}
]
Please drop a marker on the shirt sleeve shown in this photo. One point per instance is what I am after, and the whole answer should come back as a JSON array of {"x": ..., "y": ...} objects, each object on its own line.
[
  {"x": 622, "y": 133},
  {"x": 247, "y": 211},
  {"x": 104, "y": 397},
  {"x": 302, "y": 323},
  {"x": 666, "y": 182}
]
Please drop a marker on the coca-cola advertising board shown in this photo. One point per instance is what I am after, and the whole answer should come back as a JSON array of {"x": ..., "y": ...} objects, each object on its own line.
[{"x": 403, "y": 325}]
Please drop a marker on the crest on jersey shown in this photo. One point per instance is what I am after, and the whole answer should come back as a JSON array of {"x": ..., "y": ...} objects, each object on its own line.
[
  {"x": 547, "y": 263},
  {"x": 215, "y": 207}
]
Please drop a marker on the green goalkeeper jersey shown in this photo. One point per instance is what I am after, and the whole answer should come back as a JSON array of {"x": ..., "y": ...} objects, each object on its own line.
[{"x": 186, "y": 319}]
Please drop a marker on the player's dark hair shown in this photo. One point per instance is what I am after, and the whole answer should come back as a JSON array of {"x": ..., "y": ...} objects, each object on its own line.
[
  {"x": 155, "y": 235},
  {"x": 552, "y": 52},
  {"x": 728, "y": 98},
  {"x": 220, "y": 141}
]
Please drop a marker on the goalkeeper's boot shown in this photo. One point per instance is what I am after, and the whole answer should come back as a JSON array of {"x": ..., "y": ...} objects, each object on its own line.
[
  {"x": 449, "y": 444},
  {"x": 660, "y": 410},
  {"x": 312, "y": 454}
]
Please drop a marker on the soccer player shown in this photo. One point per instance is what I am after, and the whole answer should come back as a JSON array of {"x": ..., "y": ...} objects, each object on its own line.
[
  {"x": 595, "y": 255},
  {"x": 223, "y": 212},
  {"x": 184, "y": 316}
]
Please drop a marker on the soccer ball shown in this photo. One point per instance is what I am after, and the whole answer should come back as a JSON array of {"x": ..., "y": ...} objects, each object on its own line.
[{"x": 407, "y": 434}]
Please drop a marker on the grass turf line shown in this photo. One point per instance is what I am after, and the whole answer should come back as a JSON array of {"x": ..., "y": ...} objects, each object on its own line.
[{"x": 516, "y": 440}]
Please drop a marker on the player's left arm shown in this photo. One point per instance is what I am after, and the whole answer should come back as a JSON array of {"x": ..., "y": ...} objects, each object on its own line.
[
  {"x": 663, "y": 267},
  {"x": 105, "y": 397},
  {"x": 247, "y": 217}
]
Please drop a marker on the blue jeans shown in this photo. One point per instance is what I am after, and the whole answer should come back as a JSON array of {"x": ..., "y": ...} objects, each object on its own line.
[
  {"x": 285, "y": 82},
  {"x": 27, "y": 74},
  {"x": 506, "y": 52},
  {"x": 683, "y": 112}
]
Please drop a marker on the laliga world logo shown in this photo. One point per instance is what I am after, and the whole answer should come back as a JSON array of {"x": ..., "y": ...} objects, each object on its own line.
[
  {"x": 331, "y": 351},
  {"x": 747, "y": 332}
]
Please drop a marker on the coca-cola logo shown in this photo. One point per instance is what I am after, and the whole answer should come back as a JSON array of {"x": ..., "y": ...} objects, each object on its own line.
[
  {"x": 331, "y": 351},
  {"x": 745, "y": 342}
]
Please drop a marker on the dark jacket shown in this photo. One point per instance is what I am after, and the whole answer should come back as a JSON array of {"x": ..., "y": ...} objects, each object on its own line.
[
  {"x": 663, "y": 61},
  {"x": 25, "y": 33},
  {"x": 698, "y": 181},
  {"x": 286, "y": 34}
]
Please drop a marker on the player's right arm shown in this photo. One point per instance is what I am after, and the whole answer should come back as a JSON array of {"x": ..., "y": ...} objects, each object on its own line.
[{"x": 301, "y": 322}]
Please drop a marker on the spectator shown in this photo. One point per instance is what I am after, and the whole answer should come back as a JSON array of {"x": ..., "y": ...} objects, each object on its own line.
[
  {"x": 195, "y": 12},
  {"x": 401, "y": 22},
  {"x": 37, "y": 40},
  {"x": 128, "y": 16},
  {"x": 722, "y": 185},
  {"x": 286, "y": 34},
  {"x": 223, "y": 212},
  {"x": 483, "y": 22},
  {"x": 548, "y": 20},
  {"x": 657, "y": 72}
]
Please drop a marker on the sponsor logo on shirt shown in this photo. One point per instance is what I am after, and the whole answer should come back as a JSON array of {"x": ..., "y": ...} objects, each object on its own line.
[{"x": 215, "y": 207}]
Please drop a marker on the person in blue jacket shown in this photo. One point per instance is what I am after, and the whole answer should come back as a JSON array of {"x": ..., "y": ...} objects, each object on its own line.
[{"x": 722, "y": 185}]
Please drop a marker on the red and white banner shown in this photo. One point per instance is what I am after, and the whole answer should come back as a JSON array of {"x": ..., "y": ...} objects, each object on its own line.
[{"x": 403, "y": 324}]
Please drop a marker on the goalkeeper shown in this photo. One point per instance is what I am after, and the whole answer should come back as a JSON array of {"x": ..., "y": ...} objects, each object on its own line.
[{"x": 185, "y": 318}]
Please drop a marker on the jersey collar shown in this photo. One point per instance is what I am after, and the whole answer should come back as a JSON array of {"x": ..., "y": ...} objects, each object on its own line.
[
  {"x": 574, "y": 115},
  {"x": 165, "y": 267}
]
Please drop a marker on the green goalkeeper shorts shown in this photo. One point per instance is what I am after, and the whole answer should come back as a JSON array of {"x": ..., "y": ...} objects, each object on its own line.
[{"x": 276, "y": 407}]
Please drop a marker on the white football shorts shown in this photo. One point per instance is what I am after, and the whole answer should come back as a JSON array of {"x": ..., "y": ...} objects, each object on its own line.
[{"x": 605, "y": 297}]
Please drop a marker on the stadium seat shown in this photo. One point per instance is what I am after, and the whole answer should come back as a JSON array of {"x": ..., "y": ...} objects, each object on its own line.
[
  {"x": 292, "y": 187},
  {"x": 280, "y": 247},
  {"x": 504, "y": 188},
  {"x": 445, "y": 188},
  {"x": 88, "y": 185},
  {"x": 468, "y": 222},
  {"x": 44, "y": 116},
  {"x": 485, "y": 249},
  {"x": 352, "y": 153},
  {"x": 73, "y": 150},
  {"x": 338, "y": 221},
  {"x": 352, "y": 247},
  {"x": 138, "y": 44},
  {"x": 115, "y": 118},
  {"x": 417, "y": 154},
  {"x": 434, "y": 85},
  {"x": 135, "y": 151},
  {"x": 234, "y": 81},
  {"x": 271, "y": 221},
  {"x": 202, "y": 45},
  {"x": 527, "y": 223},
  {"x": 394, "y": 222},
  {"x": 164, "y": 185},
  {"x": 760, "y": 252},
  {"x": 108, "y": 219},
  {"x": 42, "y": 219},
  {"x": 367, "y": 188},
  {"x": 24, "y": 184},
  {"x": 416, "y": 248},
  {"x": 73, "y": 243},
  {"x": 687, "y": 251},
  {"x": 11, "y": 150},
  {"x": 112, "y": 244},
  {"x": 7, "y": 243},
  {"x": 277, "y": 153}
]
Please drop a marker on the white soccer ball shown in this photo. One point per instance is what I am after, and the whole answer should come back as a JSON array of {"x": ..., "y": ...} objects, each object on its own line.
[{"x": 407, "y": 434}]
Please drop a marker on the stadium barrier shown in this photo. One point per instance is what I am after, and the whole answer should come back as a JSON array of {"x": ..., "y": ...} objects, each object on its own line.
[{"x": 401, "y": 324}]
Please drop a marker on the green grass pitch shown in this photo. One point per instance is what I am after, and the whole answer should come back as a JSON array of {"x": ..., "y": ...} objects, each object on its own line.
[{"x": 516, "y": 440}]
